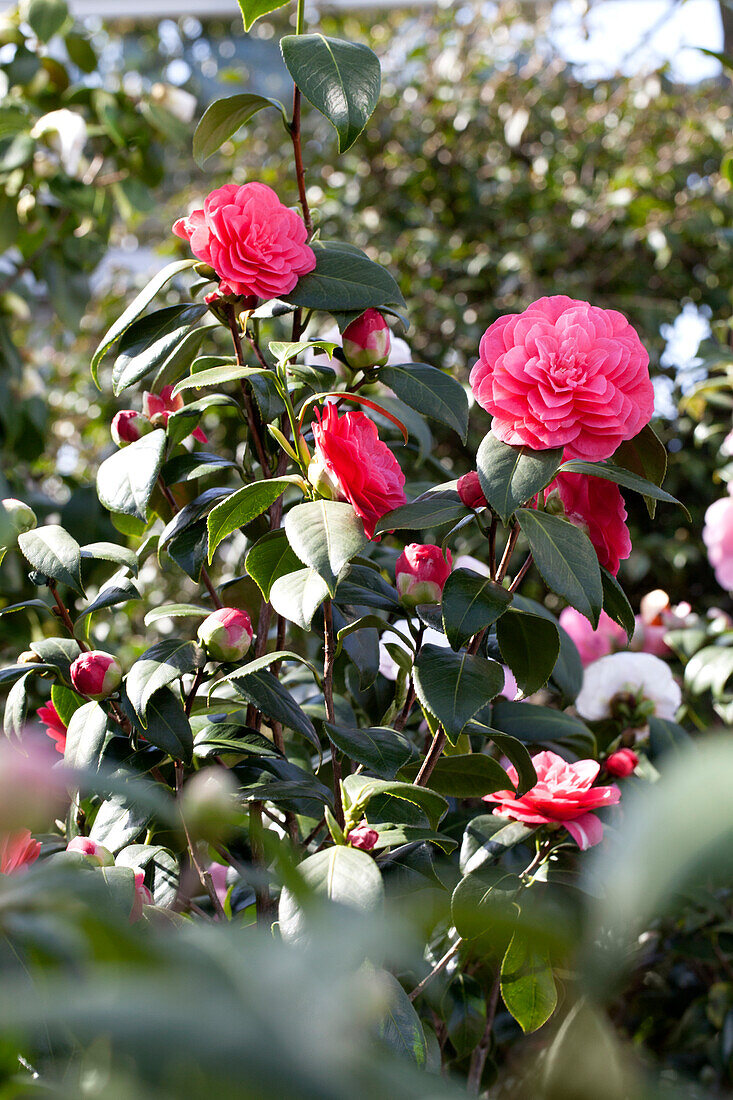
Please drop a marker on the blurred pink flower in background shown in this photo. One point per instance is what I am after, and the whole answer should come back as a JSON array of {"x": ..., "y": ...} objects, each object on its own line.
[
  {"x": 717, "y": 534},
  {"x": 18, "y": 851}
]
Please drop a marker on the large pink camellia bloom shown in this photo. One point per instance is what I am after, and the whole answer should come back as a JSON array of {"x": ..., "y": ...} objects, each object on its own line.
[
  {"x": 592, "y": 644},
  {"x": 256, "y": 246},
  {"x": 564, "y": 374},
  {"x": 17, "y": 851},
  {"x": 355, "y": 465},
  {"x": 596, "y": 505},
  {"x": 564, "y": 794},
  {"x": 717, "y": 535}
]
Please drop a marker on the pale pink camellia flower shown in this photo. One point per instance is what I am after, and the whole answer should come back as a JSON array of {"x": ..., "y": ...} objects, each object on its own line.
[
  {"x": 592, "y": 644},
  {"x": 362, "y": 836},
  {"x": 717, "y": 534},
  {"x": 157, "y": 407},
  {"x": 353, "y": 464},
  {"x": 470, "y": 491},
  {"x": 258, "y": 247},
  {"x": 34, "y": 785},
  {"x": 421, "y": 571},
  {"x": 17, "y": 851},
  {"x": 97, "y": 853},
  {"x": 95, "y": 674},
  {"x": 55, "y": 728},
  {"x": 564, "y": 374},
  {"x": 596, "y": 506},
  {"x": 510, "y": 689},
  {"x": 563, "y": 795},
  {"x": 142, "y": 896},
  {"x": 128, "y": 426},
  {"x": 367, "y": 341},
  {"x": 621, "y": 763},
  {"x": 226, "y": 634}
]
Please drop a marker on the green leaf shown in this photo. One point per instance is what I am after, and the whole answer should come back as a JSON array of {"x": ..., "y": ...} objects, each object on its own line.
[
  {"x": 118, "y": 589},
  {"x": 453, "y": 687},
  {"x": 160, "y": 866},
  {"x": 81, "y": 52},
  {"x": 269, "y": 559},
  {"x": 325, "y": 535},
  {"x": 646, "y": 456},
  {"x": 432, "y": 392},
  {"x": 118, "y": 823},
  {"x": 241, "y": 507},
  {"x": 359, "y": 791},
  {"x": 338, "y": 874},
  {"x": 463, "y": 1006},
  {"x": 432, "y": 510},
  {"x": 285, "y": 351},
  {"x": 264, "y": 691},
  {"x": 616, "y": 604},
  {"x": 527, "y": 983},
  {"x": 46, "y": 17},
  {"x": 511, "y": 476},
  {"x": 364, "y": 585},
  {"x": 566, "y": 559},
  {"x": 530, "y": 645},
  {"x": 135, "y": 308},
  {"x": 567, "y": 675},
  {"x": 126, "y": 480},
  {"x": 344, "y": 279},
  {"x": 224, "y": 117},
  {"x": 620, "y": 476},
  {"x": 544, "y": 726},
  {"x": 468, "y": 775},
  {"x": 191, "y": 513},
  {"x": 298, "y": 595},
  {"x": 182, "y": 423},
  {"x": 383, "y": 751},
  {"x": 216, "y": 376},
  {"x": 341, "y": 80},
  {"x": 53, "y": 552},
  {"x": 148, "y": 342},
  {"x": 85, "y": 736},
  {"x": 57, "y": 652},
  {"x": 487, "y": 838},
  {"x": 252, "y": 10},
  {"x": 188, "y": 467},
  {"x": 666, "y": 736},
  {"x": 710, "y": 670},
  {"x": 159, "y": 666},
  {"x": 470, "y": 603},
  {"x": 109, "y": 551},
  {"x": 16, "y": 709},
  {"x": 176, "y": 611},
  {"x": 168, "y": 727},
  {"x": 66, "y": 702},
  {"x": 400, "y": 1027},
  {"x": 513, "y": 749}
]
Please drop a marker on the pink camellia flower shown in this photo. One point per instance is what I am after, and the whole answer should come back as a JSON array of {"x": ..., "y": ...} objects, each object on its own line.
[
  {"x": 717, "y": 534},
  {"x": 420, "y": 572},
  {"x": 17, "y": 851},
  {"x": 157, "y": 407},
  {"x": 564, "y": 795},
  {"x": 363, "y": 836},
  {"x": 95, "y": 674},
  {"x": 34, "y": 785},
  {"x": 128, "y": 426},
  {"x": 55, "y": 728},
  {"x": 226, "y": 634},
  {"x": 621, "y": 763},
  {"x": 564, "y": 374},
  {"x": 596, "y": 505},
  {"x": 142, "y": 896},
  {"x": 97, "y": 853},
  {"x": 592, "y": 644},
  {"x": 470, "y": 491},
  {"x": 256, "y": 246},
  {"x": 353, "y": 464},
  {"x": 367, "y": 341}
]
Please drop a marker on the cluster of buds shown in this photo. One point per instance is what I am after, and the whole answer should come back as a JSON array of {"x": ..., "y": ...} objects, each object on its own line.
[
  {"x": 226, "y": 634},
  {"x": 129, "y": 425},
  {"x": 421, "y": 572}
]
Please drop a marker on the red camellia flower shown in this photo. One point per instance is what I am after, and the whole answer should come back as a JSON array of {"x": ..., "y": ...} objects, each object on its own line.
[
  {"x": 470, "y": 491},
  {"x": 354, "y": 464},
  {"x": 363, "y": 837},
  {"x": 564, "y": 374},
  {"x": 55, "y": 728},
  {"x": 420, "y": 572},
  {"x": 596, "y": 505},
  {"x": 564, "y": 794},
  {"x": 256, "y": 246},
  {"x": 17, "y": 851},
  {"x": 621, "y": 763}
]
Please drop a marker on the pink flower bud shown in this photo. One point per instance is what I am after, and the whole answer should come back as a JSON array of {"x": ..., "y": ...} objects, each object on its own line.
[
  {"x": 18, "y": 851},
  {"x": 366, "y": 341},
  {"x": 420, "y": 573},
  {"x": 128, "y": 426},
  {"x": 363, "y": 837},
  {"x": 470, "y": 491},
  {"x": 142, "y": 896},
  {"x": 96, "y": 674},
  {"x": 621, "y": 763},
  {"x": 159, "y": 406},
  {"x": 226, "y": 634},
  {"x": 93, "y": 851}
]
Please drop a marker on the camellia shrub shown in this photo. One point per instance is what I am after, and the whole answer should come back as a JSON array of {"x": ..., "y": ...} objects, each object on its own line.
[{"x": 354, "y": 707}]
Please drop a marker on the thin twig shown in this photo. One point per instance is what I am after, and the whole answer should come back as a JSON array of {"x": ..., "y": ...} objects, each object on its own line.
[
  {"x": 492, "y": 547},
  {"x": 508, "y": 551},
  {"x": 521, "y": 574},
  {"x": 480, "y": 1054},
  {"x": 440, "y": 965},
  {"x": 428, "y": 765}
]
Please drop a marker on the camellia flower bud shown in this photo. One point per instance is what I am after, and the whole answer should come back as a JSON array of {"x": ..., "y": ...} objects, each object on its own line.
[
  {"x": 96, "y": 674},
  {"x": 367, "y": 341},
  {"x": 470, "y": 491},
  {"x": 128, "y": 426},
  {"x": 363, "y": 837},
  {"x": 20, "y": 517},
  {"x": 621, "y": 763},
  {"x": 209, "y": 804},
  {"x": 142, "y": 896},
  {"x": 420, "y": 573},
  {"x": 226, "y": 634},
  {"x": 323, "y": 479},
  {"x": 97, "y": 853}
]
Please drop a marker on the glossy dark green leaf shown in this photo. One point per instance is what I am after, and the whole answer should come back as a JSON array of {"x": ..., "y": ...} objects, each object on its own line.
[
  {"x": 57, "y": 652},
  {"x": 339, "y": 874},
  {"x": 126, "y": 480},
  {"x": 513, "y": 749},
  {"x": 325, "y": 535},
  {"x": 432, "y": 510},
  {"x": 453, "y": 687},
  {"x": 117, "y": 590},
  {"x": 616, "y": 603},
  {"x": 118, "y": 823},
  {"x": 530, "y": 645},
  {"x": 16, "y": 709},
  {"x": 512, "y": 476},
  {"x": 464, "y": 1007},
  {"x": 109, "y": 551},
  {"x": 543, "y": 726},
  {"x": 85, "y": 736},
  {"x": 159, "y": 666},
  {"x": 487, "y": 838},
  {"x": 196, "y": 464},
  {"x": 365, "y": 586},
  {"x": 470, "y": 603},
  {"x": 192, "y": 512},
  {"x": 359, "y": 790},
  {"x": 431, "y": 392},
  {"x": 567, "y": 675},
  {"x": 270, "y": 558},
  {"x": 265, "y": 692},
  {"x": 381, "y": 750},
  {"x": 400, "y": 1027},
  {"x": 344, "y": 278},
  {"x": 527, "y": 983},
  {"x": 241, "y": 507},
  {"x": 646, "y": 456},
  {"x": 469, "y": 775},
  {"x": 150, "y": 340},
  {"x": 52, "y": 551},
  {"x": 298, "y": 595},
  {"x": 625, "y": 478},
  {"x": 566, "y": 559},
  {"x": 160, "y": 866},
  {"x": 168, "y": 727},
  {"x": 224, "y": 117},
  {"x": 65, "y": 701}
]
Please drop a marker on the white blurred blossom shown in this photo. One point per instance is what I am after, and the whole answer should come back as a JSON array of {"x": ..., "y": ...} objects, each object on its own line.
[
  {"x": 65, "y": 132},
  {"x": 639, "y": 674}
]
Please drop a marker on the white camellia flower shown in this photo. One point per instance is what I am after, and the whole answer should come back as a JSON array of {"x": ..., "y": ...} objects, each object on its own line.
[
  {"x": 639, "y": 674},
  {"x": 179, "y": 102},
  {"x": 66, "y": 133}
]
